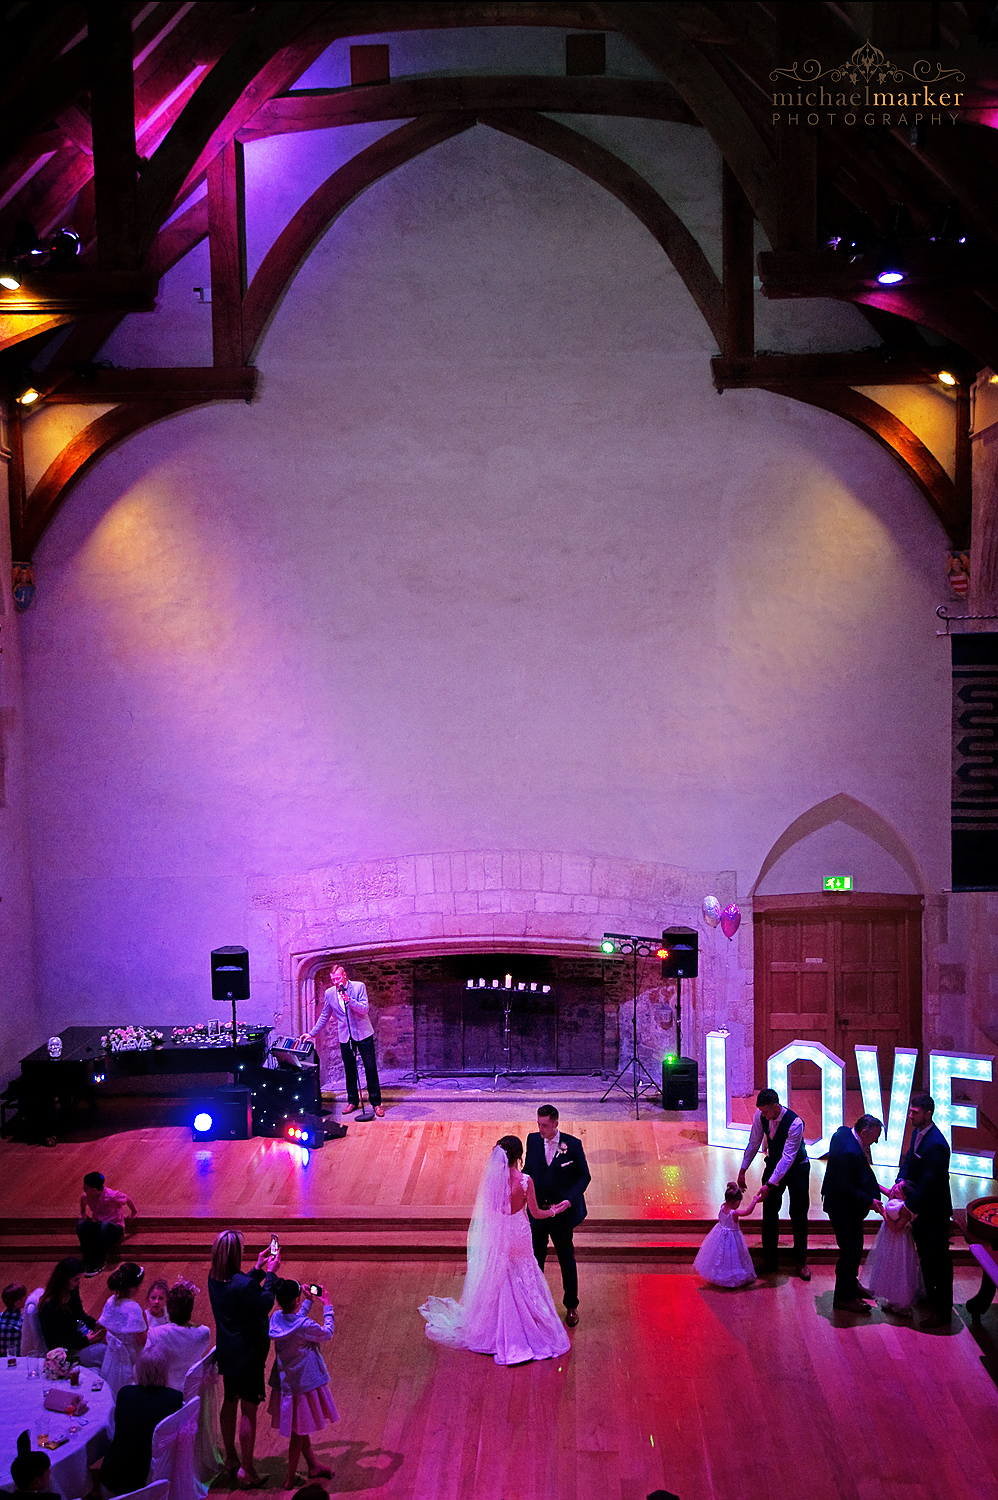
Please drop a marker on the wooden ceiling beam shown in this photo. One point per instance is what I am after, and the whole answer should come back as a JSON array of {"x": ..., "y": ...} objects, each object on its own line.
[
  {"x": 630, "y": 189},
  {"x": 112, "y": 114},
  {"x": 172, "y": 383},
  {"x": 319, "y": 109},
  {"x": 849, "y": 367},
  {"x": 82, "y": 292},
  {"x": 262, "y": 60}
]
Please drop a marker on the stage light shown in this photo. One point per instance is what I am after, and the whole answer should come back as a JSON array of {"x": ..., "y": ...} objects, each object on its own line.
[
  {"x": 832, "y": 1073},
  {"x": 64, "y": 249},
  {"x": 887, "y": 1151},
  {"x": 943, "y": 1068},
  {"x": 890, "y": 275},
  {"x": 10, "y": 276},
  {"x": 662, "y": 953},
  {"x": 670, "y": 1058},
  {"x": 721, "y": 1131},
  {"x": 945, "y": 378},
  {"x": 202, "y": 1122},
  {"x": 607, "y": 945},
  {"x": 28, "y": 396}
]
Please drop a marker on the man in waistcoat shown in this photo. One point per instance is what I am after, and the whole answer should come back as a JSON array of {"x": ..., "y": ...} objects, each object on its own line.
[
  {"x": 924, "y": 1174},
  {"x": 781, "y": 1133},
  {"x": 557, "y": 1165}
]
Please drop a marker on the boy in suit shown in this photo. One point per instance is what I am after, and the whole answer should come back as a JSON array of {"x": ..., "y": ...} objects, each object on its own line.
[{"x": 557, "y": 1164}]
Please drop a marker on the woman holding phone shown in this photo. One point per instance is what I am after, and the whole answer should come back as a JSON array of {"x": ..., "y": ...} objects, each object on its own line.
[{"x": 241, "y": 1304}]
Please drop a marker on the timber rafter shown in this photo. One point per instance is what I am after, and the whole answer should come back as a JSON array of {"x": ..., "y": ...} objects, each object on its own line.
[{"x": 207, "y": 78}]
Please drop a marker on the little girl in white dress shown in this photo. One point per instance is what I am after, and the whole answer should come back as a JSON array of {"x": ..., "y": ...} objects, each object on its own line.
[
  {"x": 893, "y": 1271},
  {"x": 723, "y": 1258},
  {"x": 126, "y": 1326}
]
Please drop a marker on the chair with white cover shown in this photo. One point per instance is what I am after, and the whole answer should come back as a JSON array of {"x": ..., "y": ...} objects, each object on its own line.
[
  {"x": 202, "y": 1384},
  {"x": 173, "y": 1442},
  {"x": 31, "y": 1330},
  {"x": 158, "y": 1491}
]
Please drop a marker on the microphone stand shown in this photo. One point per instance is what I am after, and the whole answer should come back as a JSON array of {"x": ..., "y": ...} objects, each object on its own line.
[{"x": 364, "y": 1113}]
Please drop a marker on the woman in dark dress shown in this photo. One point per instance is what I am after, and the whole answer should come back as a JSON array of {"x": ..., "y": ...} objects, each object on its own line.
[
  {"x": 241, "y": 1305},
  {"x": 137, "y": 1412},
  {"x": 63, "y": 1322}
]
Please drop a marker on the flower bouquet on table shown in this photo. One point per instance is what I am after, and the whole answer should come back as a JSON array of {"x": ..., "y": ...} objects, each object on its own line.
[
  {"x": 57, "y": 1364},
  {"x": 131, "y": 1039}
]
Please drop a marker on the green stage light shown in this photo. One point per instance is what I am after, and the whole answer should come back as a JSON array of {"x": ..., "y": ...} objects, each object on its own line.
[
  {"x": 607, "y": 946},
  {"x": 670, "y": 1058}
]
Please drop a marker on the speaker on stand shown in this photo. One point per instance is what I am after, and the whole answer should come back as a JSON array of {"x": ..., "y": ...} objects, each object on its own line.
[
  {"x": 230, "y": 981},
  {"x": 680, "y": 1075}
]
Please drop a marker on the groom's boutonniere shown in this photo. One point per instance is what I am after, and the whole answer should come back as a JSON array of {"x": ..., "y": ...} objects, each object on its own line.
[{"x": 562, "y": 1148}]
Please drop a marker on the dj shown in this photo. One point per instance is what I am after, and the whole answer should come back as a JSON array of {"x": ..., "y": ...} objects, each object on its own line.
[{"x": 346, "y": 999}]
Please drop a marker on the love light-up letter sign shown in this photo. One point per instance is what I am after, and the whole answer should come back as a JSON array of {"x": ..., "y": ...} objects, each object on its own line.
[{"x": 943, "y": 1068}]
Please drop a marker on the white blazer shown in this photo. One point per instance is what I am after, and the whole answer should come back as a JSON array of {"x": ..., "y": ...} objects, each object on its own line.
[{"x": 350, "y": 1013}]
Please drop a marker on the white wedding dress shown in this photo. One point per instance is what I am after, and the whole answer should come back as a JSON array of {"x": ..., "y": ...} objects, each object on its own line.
[{"x": 506, "y": 1308}]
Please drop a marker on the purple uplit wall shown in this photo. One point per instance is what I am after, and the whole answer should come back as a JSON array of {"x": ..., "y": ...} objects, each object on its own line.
[{"x": 488, "y": 565}]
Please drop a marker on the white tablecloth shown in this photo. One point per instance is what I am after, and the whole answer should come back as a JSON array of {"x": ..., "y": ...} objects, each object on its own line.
[{"x": 21, "y": 1406}]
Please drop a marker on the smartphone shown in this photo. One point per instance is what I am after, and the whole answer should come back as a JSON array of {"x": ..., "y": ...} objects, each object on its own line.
[
  {"x": 313, "y": 1290},
  {"x": 275, "y": 1244}
]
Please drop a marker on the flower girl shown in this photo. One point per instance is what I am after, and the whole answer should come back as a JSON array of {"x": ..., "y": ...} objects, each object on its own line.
[
  {"x": 723, "y": 1258},
  {"x": 893, "y": 1272}
]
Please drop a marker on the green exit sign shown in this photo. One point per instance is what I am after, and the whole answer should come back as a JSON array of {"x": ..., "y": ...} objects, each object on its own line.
[{"x": 838, "y": 882}]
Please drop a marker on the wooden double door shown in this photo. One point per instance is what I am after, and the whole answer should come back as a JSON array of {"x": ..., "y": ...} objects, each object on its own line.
[{"x": 837, "y": 969}]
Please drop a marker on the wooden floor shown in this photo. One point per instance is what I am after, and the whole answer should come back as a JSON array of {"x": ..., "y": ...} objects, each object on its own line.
[
  {"x": 751, "y": 1395},
  {"x": 762, "y": 1394}
]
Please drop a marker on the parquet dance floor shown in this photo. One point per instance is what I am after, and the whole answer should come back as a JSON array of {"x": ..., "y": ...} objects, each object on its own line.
[{"x": 760, "y": 1393}]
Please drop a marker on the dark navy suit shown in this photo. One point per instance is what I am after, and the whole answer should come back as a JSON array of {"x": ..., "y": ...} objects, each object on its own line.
[
  {"x": 926, "y": 1173},
  {"x": 848, "y": 1192},
  {"x": 568, "y": 1176}
]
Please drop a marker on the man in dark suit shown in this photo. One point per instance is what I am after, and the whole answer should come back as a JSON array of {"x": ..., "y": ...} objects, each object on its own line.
[
  {"x": 924, "y": 1175},
  {"x": 557, "y": 1164},
  {"x": 848, "y": 1192}
]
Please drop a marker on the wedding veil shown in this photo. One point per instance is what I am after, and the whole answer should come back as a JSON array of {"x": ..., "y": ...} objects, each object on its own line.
[{"x": 470, "y": 1323}]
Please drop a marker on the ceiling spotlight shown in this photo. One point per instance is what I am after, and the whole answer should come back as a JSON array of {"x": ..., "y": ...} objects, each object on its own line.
[
  {"x": 891, "y": 273},
  {"x": 28, "y": 396},
  {"x": 10, "y": 276},
  {"x": 946, "y": 378},
  {"x": 64, "y": 249}
]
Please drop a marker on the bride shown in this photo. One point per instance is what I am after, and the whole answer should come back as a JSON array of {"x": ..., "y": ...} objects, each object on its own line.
[{"x": 506, "y": 1308}]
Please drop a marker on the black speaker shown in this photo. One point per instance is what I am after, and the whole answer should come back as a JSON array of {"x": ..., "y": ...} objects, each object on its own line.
[
  {"x": 680, "y": 1083},
  {"x": 683, "y": 944},
  {"x": 229, "y": 974},
  {"x": 222, "y": 1115}
]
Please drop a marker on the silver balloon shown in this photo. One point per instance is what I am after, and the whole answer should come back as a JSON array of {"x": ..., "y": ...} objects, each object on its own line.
[{"x": 711, "y": 910}]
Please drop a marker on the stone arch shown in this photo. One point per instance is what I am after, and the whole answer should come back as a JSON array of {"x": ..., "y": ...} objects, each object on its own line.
[{"x": 843, "y": 808}]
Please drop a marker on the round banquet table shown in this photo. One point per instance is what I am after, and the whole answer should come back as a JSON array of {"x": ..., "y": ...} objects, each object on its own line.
[{"x": 21, "y": 1406}]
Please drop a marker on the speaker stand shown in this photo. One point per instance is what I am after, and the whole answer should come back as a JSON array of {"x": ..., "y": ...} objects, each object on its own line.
[{"x": 634, "y": 1063}]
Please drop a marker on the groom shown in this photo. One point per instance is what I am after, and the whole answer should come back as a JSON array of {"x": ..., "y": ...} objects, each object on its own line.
[{"x": 557, "y": 1165}]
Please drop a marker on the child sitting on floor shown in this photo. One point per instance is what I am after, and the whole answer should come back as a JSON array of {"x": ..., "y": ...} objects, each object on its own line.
[{"x": 723, "y": 1258}]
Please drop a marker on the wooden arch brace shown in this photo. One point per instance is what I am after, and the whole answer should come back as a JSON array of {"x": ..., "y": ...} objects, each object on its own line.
[
  {"x": 299, "y": 236},
  {"x": 73, "y": 462},
  {"x": 901, "y": 443}
]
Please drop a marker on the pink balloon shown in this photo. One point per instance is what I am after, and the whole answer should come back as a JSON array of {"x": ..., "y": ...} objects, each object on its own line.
[{"x": 731, "y": 920}]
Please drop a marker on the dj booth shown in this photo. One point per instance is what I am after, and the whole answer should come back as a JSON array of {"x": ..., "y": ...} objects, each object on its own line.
[{"x": 274, "y": 1091}]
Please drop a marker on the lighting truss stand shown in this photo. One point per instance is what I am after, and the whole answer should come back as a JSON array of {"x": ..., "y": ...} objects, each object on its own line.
[{"x": 638, "y": 1085}]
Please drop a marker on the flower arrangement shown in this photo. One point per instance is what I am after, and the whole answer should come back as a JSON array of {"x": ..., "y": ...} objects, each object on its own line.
[
  {"x": 131, "y": 1039},
  {"x": 57, "y": 1363}
]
